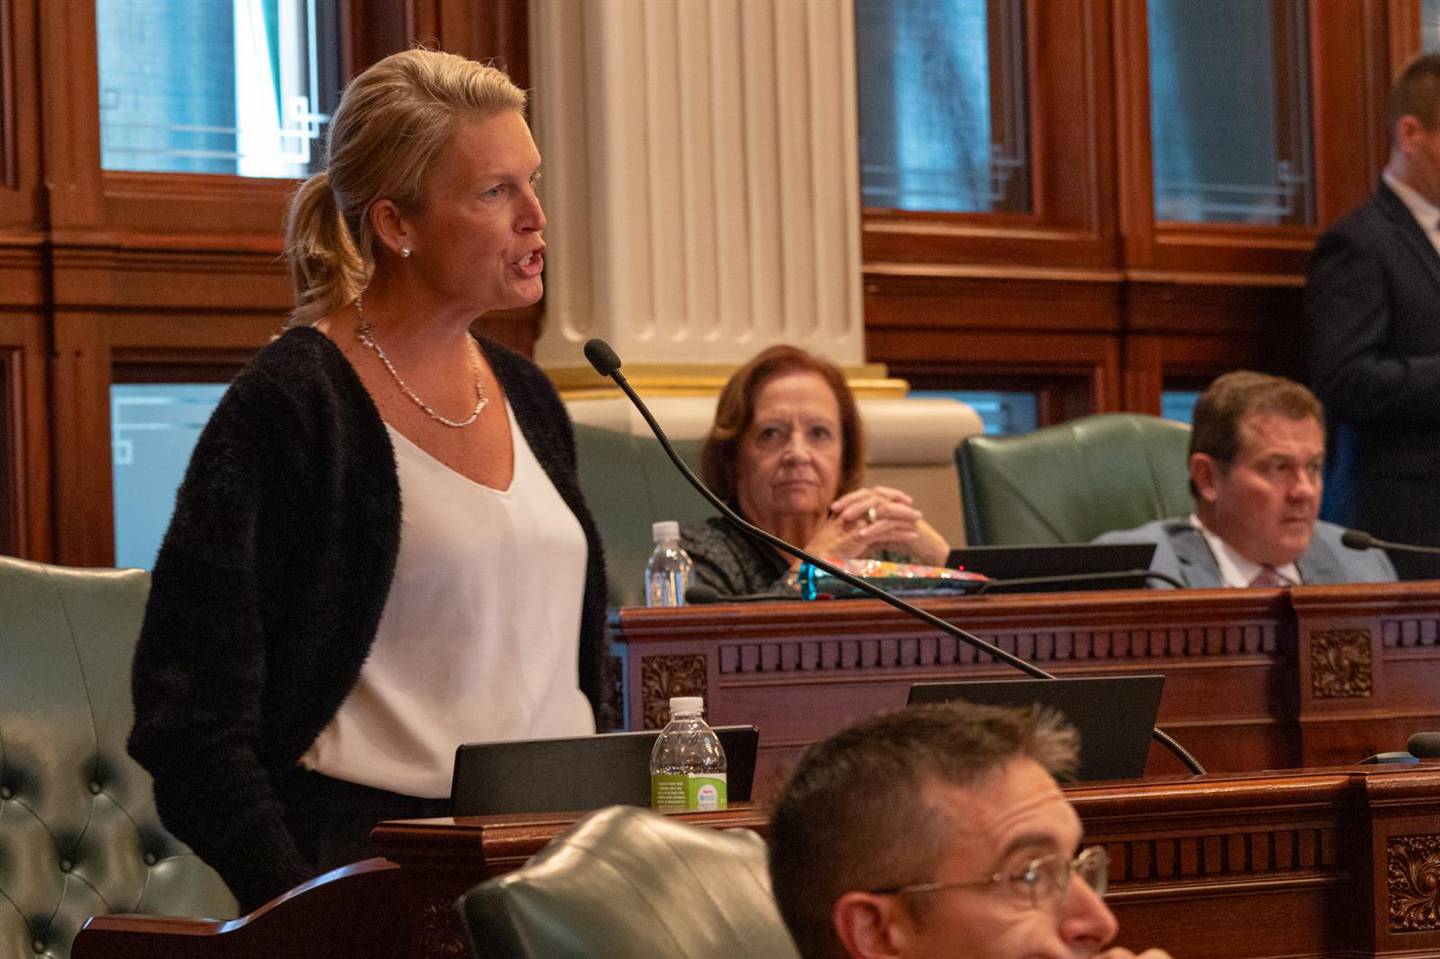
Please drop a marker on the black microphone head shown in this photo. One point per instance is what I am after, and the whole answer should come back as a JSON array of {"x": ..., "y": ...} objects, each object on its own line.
[
  {"x": 598, "y": 352},
  {"x": 1354, "y": 538},
  {"x": 1424, "y": 745}
]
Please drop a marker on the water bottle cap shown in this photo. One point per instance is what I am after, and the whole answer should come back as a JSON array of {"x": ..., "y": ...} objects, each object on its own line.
[
  {"x": 686, "y": 704},
  {"x": 665, "y": 529}
]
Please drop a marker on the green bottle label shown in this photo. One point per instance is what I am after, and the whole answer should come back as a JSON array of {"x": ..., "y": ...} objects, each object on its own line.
[{"x": 694, "y": 792}]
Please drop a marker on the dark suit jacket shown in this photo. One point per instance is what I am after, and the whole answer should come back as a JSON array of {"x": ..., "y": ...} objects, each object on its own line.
[{"x": 1372, "y": 310}]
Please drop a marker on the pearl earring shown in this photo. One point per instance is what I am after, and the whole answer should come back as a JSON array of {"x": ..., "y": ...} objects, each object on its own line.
[{"x": 405, "y": 251}]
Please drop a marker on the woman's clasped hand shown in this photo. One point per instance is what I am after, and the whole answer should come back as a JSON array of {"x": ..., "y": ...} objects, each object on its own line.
[{"x": 874, "y": 519}]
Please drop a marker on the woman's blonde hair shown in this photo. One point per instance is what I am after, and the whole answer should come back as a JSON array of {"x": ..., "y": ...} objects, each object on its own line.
[{"x": 385, "y": 137}]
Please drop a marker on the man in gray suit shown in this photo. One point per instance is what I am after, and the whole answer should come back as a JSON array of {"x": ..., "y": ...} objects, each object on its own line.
[{"x": 1257, "y": 452}]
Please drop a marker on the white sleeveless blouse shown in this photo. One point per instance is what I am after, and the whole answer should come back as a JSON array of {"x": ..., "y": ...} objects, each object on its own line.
[{"x": 479, "y": 638}]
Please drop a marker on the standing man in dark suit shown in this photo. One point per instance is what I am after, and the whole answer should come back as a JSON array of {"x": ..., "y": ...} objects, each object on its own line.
[{"x": 1372, "y": 307}]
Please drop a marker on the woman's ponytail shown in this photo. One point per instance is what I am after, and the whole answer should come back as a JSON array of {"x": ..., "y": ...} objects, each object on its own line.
[{"x": 326, "y": 269}]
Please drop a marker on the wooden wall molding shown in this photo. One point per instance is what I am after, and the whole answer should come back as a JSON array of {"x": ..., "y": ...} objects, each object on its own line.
[
  {"x": 24, "y": 443},
  {"x": 1405, "y": 632},
  {"x": 20, "y": 187},
  {"x": 22, "y": 276},
  {"x": 199, "y": 280},
  {"x": 1075, "y": 646},
  {"x": 1225, "y": 855}
]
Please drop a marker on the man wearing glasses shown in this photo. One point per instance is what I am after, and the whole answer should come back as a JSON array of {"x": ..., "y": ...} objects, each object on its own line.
[
  {"x": 1257, "y": 452},
  {"x": 939, "y": 831}
]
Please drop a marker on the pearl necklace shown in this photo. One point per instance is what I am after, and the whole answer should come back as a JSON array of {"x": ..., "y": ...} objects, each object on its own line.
[{"x": 365, "y": 334}]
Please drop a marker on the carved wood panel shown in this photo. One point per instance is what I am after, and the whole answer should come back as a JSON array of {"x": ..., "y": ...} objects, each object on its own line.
[
  {"x": 1341, "y": 664},
  {"x": 664, "y": 676},
  {"x": 1412, "y": 877}
]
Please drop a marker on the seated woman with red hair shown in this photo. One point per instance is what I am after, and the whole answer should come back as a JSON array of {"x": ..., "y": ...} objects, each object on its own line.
[{"x": 786, "y": 451}]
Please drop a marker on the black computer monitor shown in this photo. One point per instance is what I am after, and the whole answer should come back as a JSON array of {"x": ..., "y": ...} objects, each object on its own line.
[
  {"x": 1056, "y": 559},
  {"x": 579, "y": 773},
  {"x": 1114, "y": 714}
]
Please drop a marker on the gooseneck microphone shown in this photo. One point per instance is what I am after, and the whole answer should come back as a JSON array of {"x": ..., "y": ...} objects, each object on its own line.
[
  {"x": 1424, "y": 745},
  {"x": 1357, "y": 539},
  {"x": 607, "y": 364}
]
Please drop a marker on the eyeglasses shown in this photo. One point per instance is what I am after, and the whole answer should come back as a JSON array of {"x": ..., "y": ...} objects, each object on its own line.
[{"x": 1043, "y": 882}]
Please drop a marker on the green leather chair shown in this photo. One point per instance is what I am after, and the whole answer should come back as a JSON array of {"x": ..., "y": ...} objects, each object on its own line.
[
  {"x": 79, "y": 834},
  {"x": 626, "y": 883},
  {"x": 629, "y": 483},
  {"x": 1072, "y": 482}
]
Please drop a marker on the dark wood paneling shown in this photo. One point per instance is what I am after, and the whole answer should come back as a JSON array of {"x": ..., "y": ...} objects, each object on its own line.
[
  {"x": 24, "y": 443},
  {"x": 1083, "y": 368},
  {"x": 1351, "y": 71},
  {"x": 986, "y": 299},
  {"x": 370, "y": 30},
  {"x": 1403, "y": 29},
  {"x": 21, "y": 216}
]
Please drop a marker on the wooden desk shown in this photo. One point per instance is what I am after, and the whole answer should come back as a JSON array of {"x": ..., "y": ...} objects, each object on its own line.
[
  {"x": 1255, "y": 679},
  {"x": 1320, "y": 862},
  {"x": 1298, "y": 863}
]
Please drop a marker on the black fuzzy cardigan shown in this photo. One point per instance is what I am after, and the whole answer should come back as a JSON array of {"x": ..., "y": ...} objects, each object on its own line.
[{"x": 269, "y": 587}]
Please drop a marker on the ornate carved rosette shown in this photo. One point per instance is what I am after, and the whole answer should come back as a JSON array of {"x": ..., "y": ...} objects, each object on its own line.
[
  {"x": 1412, "y": 873},
  {"x": 664, "y": 676},
  {"x": 1341, "y": 664}
]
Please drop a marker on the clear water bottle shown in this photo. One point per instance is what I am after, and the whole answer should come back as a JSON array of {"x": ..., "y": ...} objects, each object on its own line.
[
  {"x": 687, "y": 765},
  {"x": 667, "y": 574}
]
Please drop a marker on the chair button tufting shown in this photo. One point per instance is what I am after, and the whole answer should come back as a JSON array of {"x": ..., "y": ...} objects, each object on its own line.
[
  {"x": 66, "y": 865},
  {"x": 6, "y": 792},
  {"x": 150, "y": 859},
  {"x": 95, "y": 789}
]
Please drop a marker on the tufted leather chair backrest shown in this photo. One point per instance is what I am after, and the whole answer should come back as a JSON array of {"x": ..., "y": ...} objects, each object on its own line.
[
  {"x": 79, "y": 834},
  {"x": 628, "y": 883},
  {"x": 1070, "y": 483}
]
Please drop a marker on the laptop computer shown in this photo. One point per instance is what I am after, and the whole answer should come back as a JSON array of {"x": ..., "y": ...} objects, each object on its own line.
[
  {"x": 1055, "y": 559},
  {"x": 579, "y": 773},
  {"x": 1114, "y": 714}
]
